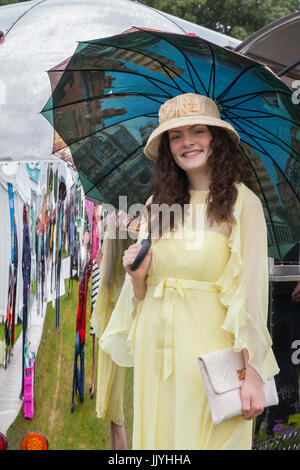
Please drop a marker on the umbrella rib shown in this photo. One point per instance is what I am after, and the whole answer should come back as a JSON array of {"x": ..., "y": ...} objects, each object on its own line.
[
  {"x": 263, "y": 114},
  {"x": 114, "y": 168},
  {"x": 257, "y": 126},
  {"x": 129, "y": 72},
  {"x": 265, "y": 152},
  {"x": 188, "y": 68},
  {"x": 250, "y": 123},
  {"x": 154, "y": 33},
  {"x": 116, "y": 94},
  {"x": 155, "y": 84},
  {"x": 258, "y": 116},
  {"x": 171, "y": 78},
  {"x": 94, "y": 98},
  {"x": 251, "y": 136},
  {"x": 166, "y": 68},
  {"x": 253, "y": 95},
  {"x": 212, "y": 72},
  {"x": 232, "y": 116},
  {"x": 153, "y": 99},
  {"x": 265, "y": 199},
  {"x": 230, "y": 86},
  {"x": 262, "y": 139},
  {"x": 248, "y": 134},
  {"x": 153, "y": 115},
  {"x": 262, "y": 136}
]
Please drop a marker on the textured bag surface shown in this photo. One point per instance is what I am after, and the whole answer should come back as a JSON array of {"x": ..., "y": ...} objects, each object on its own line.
[{"x": 223, "y": 374}]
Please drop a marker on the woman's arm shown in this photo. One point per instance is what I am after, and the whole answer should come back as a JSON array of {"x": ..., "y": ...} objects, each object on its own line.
[
  {"x": 138, "y": 277},
  {"x": 139, "y": 288},
  {"x": 252, "y": 333},
  {"x": 252, "y": 394}
]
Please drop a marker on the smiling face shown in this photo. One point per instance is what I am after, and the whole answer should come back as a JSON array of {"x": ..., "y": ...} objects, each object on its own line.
[{"x": 190, "y": 147}]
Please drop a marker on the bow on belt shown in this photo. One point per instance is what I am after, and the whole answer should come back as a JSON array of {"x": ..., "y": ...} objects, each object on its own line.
[{"x": 167, "y": 289}]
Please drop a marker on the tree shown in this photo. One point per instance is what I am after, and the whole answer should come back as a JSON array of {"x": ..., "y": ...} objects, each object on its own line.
[
  {"x": 8, "y": 2},
  {"x": 236, "y": 18}
]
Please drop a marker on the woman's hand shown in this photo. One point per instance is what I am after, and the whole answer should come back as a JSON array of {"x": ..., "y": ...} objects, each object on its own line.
[
  {"x": 138, "y": 277},
  {"x": 252, "y": 394},
  {"x": 128, "y": 258}
]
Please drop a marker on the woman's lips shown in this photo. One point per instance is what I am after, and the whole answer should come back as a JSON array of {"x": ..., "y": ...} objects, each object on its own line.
[{"x": 191, "y": 153}]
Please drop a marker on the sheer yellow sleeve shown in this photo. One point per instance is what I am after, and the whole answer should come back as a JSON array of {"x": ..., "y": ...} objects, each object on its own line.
[
  {"x": 110, "y": 377},
  {"x": 105, "y": 302},
  {"x": 244, "y": 284},
  {"x": 114, "y": 339}
]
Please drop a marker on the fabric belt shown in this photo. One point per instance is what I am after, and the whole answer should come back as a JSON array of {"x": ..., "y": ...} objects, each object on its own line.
[{"x": 167, "y": 289}]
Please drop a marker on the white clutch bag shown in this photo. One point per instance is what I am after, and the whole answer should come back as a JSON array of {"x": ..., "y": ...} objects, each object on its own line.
[{"x": 223, "y": 373}]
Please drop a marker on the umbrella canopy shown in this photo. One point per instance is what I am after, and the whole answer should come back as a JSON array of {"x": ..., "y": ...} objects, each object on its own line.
[
  {"x": 277, "y": 45},
  {"x": 105, "y": 104},
  {"x": 40, "y": 34}
]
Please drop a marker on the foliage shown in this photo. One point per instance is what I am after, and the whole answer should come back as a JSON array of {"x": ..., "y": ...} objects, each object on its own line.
[
  {"x": 8, "y": 2},
  {"x": 81, "y": 429},
  {"x": 286, "y": 440},
  {"x": 284, "y": 434},
  {"x": 236, "y": 18}
]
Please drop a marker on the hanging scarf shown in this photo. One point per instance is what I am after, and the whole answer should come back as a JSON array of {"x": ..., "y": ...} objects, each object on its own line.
[
  {"x": 26, "y": 255},
  {"x": 59, "y": 227},
  {"x": 12, "y": 225},
  {"x": 81, "y": 310},
  {"x": 95, "y": 240}
]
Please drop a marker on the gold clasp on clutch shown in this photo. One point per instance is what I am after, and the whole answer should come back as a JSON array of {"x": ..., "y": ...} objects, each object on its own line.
[{"x": 241, "y": 373}]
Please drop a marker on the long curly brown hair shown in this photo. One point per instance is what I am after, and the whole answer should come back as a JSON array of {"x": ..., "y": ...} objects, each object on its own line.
[{"x": 227, "y": 166}]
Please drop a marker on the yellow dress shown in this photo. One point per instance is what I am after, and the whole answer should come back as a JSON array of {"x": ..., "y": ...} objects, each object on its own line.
[{"x": 206, "y": 290}]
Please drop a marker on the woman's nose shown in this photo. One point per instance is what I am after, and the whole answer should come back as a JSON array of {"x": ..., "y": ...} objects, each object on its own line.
[{"x": 187, "y": 140}]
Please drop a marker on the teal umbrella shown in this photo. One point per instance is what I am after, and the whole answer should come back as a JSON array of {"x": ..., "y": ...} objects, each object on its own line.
[{"x": 105, "y": 103}]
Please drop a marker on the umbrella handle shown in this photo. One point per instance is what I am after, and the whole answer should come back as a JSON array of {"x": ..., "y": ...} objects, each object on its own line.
[{"x": 146, "y": 243}]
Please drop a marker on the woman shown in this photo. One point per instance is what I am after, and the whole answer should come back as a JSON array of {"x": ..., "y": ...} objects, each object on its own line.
[{"x": 203, "y": 286}]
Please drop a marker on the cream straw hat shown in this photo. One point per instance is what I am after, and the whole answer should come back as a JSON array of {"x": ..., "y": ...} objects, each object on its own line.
[{"x": 184, "y": 110}]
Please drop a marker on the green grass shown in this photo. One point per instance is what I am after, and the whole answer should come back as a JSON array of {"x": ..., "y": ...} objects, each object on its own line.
[
  {"x": 18, "y": 330},
  {"x": 80, "y": 430}
]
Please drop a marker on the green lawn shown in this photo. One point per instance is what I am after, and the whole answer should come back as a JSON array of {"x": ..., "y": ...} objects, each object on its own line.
[
  {"x": 18, "y": 329},
  {"x": 53, "y": 389}
]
